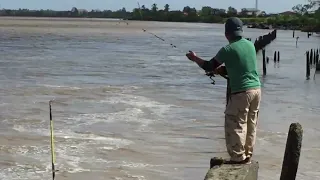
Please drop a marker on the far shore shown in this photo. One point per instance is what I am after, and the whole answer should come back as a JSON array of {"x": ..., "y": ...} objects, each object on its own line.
[
  {"x": 27, "y": 21},
  {"x": 83, "y": 22}
]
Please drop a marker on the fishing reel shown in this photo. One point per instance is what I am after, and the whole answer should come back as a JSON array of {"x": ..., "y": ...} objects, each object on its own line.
[{"x": 211, "y": 75}]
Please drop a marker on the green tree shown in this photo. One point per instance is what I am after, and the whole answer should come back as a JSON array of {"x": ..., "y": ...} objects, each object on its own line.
[
  {"x": 304, "y": 20},
  {"x": 74, "y": 11},
  {"x": 310, "y": 4},
  {"x": 303, "y": 9},
  {"x": 154, "y": 7},
  {"x": 166, "y": 8},
  {"x": 206, "y": 11},
  {"x": 186, "y": 9},
  {"x": 317, "y": 16},
  {"x": 300, "y": 9},
  {"x": 232, "y": 11},
  {"x": 243, "y": 12},
  {"x": 192, "y": 15},
  {"x": 136, "y": 14}
]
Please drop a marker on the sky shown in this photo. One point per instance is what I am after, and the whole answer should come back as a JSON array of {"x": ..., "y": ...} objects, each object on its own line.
[{"x": 270, "y": 6}]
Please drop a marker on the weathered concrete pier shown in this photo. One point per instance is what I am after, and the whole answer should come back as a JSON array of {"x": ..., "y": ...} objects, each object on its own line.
[{"x": 232, "y": 172}]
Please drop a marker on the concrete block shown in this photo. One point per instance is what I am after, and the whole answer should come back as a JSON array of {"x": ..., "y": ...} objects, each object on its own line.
[{"x": 232, "y": 172}]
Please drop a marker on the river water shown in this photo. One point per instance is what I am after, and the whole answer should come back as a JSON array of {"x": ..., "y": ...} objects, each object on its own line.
[{"x": 128, "y": 106}]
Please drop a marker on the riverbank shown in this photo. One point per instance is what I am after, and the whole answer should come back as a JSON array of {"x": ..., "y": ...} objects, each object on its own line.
[
  {"x": 283, "y": 23},
  {"x": 283, "y": 27},
  {"x": 277, "y": 21},
  {"x": 248, "y": 22}
]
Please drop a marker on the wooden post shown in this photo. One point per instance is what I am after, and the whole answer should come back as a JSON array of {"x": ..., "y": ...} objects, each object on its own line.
[
  {"x": 264, "y": 62},
  {"x": 307, "y": 66},
  {"x": 293, "y": 34},
  {"x": 311, "y": 56},
  {"x": 292, "y": 153},
  {"x": 314, "y": 57},
  {"x": 317, "y": 59}
]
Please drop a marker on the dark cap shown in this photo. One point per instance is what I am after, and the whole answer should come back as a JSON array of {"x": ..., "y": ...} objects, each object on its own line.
[{"x": 234, "y": 26}]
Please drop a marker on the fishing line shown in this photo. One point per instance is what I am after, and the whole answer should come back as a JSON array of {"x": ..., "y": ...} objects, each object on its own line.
[
  {"x": 53, "y": 158},
  {"x": 145, "y": 30},
  {"x": 210, "y": 74}
]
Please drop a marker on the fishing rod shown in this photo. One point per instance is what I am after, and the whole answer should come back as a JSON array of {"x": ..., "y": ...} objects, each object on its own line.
[
  {"x": 210, "y": 74},
  {"x": 52, "y": 143}
]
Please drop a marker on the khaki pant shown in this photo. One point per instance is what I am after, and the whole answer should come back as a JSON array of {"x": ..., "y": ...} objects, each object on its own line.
[{"x": 241, "y": 118}]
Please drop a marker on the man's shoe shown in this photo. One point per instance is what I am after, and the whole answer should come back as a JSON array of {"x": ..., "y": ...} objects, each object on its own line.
[{"x": 246, "y": 161}]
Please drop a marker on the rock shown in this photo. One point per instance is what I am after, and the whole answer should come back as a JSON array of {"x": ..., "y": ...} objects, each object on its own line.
[{"x": 232, "y": 172}]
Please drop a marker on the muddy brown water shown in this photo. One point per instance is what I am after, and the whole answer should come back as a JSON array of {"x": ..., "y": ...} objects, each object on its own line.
[{"x": 128, "y": 106}]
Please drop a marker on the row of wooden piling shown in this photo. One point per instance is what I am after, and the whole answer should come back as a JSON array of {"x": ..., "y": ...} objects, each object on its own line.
[
  {"x": 264, "y": 40},
  {"x": 265, "y": 60},
  {"x": 314, "y": 56},
  {"x": 312, "y": 60},
  {"x": 308, "y": 34}
]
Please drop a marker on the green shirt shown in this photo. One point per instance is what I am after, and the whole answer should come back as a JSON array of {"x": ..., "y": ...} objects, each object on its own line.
[{"x": 240, "y": 59}]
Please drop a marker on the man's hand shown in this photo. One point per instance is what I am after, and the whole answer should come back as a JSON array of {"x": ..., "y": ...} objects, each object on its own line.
[{"x": 191, "y": 56}]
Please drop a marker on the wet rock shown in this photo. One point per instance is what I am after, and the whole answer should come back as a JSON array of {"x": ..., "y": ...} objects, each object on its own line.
[{"x": 220, "y": 171}]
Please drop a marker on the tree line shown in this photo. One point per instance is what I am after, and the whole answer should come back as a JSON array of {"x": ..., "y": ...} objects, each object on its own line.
[
  {"x": 207, "y": 14},
  {"x": 154, "y": 13}
]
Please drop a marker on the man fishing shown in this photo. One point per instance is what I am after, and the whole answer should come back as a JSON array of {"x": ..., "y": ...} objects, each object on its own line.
[{"x": 241, "y": 114}]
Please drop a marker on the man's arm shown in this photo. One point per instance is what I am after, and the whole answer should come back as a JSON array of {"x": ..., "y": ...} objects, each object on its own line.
[
  {"x": 208, "y": 66},
  {"x": 214, "y": 65}
]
